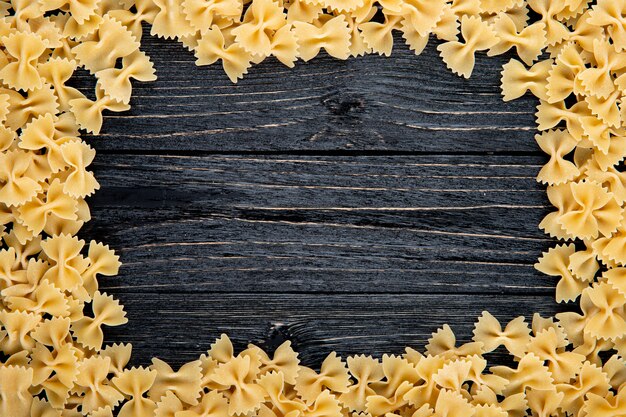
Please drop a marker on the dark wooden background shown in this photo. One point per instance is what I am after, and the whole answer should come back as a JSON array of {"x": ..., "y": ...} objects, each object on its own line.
[{"x": 352, "y": 206}]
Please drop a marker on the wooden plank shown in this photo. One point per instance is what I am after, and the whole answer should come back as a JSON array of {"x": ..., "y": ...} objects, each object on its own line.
[
  {"x": 401, "y": 103},
  {"x": 227, "y": 221},
  {"x": 179, "y": 327},
  {"x": 389, "y": 224}
]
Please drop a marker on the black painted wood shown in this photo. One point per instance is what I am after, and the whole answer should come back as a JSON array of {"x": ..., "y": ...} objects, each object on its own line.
[
  {"x": 390, "y": 224},
  {"x": 352, "y": 206},
  {"x": 178, "y": 327}
]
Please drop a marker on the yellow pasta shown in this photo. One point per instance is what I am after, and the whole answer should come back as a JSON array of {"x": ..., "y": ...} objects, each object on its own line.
[
  {"x": 557, "y": 144},
  {"x": 212, "y": 47},
  {"x": 54, "y": 362},
  {"x": 459, "y": 56},
  {"x": 25, "y": 48},
  {"x": 529, "y": 42},
  {"x": 88, "y": 113},
  {"x": 333, "y": 36},
  {"x": 515, "y": 337},
  {"x": 517, "y": 80}
]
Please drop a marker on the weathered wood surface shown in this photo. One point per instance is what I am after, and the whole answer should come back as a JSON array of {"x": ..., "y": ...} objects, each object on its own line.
[{"x": 352, "y": 206}]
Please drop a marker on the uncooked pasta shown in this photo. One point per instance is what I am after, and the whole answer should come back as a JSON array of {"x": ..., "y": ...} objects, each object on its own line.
[{"x": 572, "y": 58}]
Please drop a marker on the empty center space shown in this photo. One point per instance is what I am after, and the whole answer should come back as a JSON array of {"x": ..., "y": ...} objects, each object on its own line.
[{"x": 352, "y": 206}]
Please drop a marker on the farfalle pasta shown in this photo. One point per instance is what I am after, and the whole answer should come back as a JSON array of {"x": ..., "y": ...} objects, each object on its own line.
[
  {"x": 478, "y": 36},
  {"x": 572, "y": 57}
]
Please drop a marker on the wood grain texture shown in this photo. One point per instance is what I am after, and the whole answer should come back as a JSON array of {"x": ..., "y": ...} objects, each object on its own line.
[
  {"x": 178, "y": 327},
  {"x": 352, "y": 206},
  {"x": 390, "y": 224},
  {"x": 373, "y": 103}
]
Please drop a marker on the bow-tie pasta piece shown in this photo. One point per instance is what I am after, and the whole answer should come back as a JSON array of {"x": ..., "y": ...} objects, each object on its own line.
[
  {"x": 80, "y": 10},
  {"x": 609, "y": 14},
  {"x": 261, "y": 20},
  {"x": 530, "y": 372},
  {"x": 39, "y": 135},
  {"x": 326, "y": 404},
  {"x": 607, "y": 110},
  {"x": 56, "y": 371},
  {"x": 106, "y": 312},
  {"x": 211, "y": 403},
  {"x": 556, "y": 263},
  {"x": 63, "y": 253},
  {"x": 15, "y": 398},
  {"x": 452, "y": 404},
  {"x": 134, "y": 383},
  {"x": 16, "y": 186},
  {"x": 201, "y": 13},
  {"x": 285, "y": 361},
  {"x": 38, "y": 102},
  {"x": 600, "y": 137},
  {"x": 244, "y": 394},
  {"x": 79, "y": 183},
  {"x": 453, "y": 375},
  {"x": 397, "y": 387},
  {"x": 212, "y": 47},
  {"x": 550, "y": 116},
  {"x": 589, "y": 380},
  {"x": 120, "y": 356},
  {"x": 45, "y": 299},
  {"x": 17, "y": 328},
  {"x": 443, "y": 343},
  {"x": 514, "y": 337},
  {"x": 184, "y": 384},
  {"x": 416, "y": 42},
  {"x": 97, "y": 390},
  {"x": 548, "y": 9},
  {"x": 594, "y": 213},
  {"x": 612, "y": 250},
  {"x": 562, "y": 365},
  {"x": 598, "y": 80},
  {"x": 529, "y": 43},
  {"x": 601, "y": 307},
  {"x": 35, "y": 214},
  {"x": 378, "y": 36},
  {"x": 222, "y": 349},
  {"x": 366, "y": 371},
  {"x": 274, "y": 385},
  {"x": 116, "y": 81},
  {"x": 111, "y": 41},
  {"x": 333, "y": 36},
  {"x": 53, "y": 332},
  {"x": 517, "y": 80},
  {"x": 557, "y": 144},
  {"x": 143, "y": 11},
  {"x": 57, "y": 71},
  {"x": 545, "y": 402},
  {"x": 333, "y": 375},
  {"x": 25, "y": 49},
  {"x": 422, "y": 15},
  {"x": 459, "y": 56},
  {"x": 170, "y": 21},
  {"x": 563, "y": 79},
  {"x": 88, "y": 113},
  {"x": 447, "y": 28},
  {"x": 600, "y": 406},
  {"x": 358, "y": 47},
  {"x": 584, "y": 264},
  {"x": 304, "y": 11},
  {"x": 102, "y": 261}
]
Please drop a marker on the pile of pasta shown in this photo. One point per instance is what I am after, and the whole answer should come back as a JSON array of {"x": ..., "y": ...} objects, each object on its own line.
[{"x": 53, "y": 361}]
